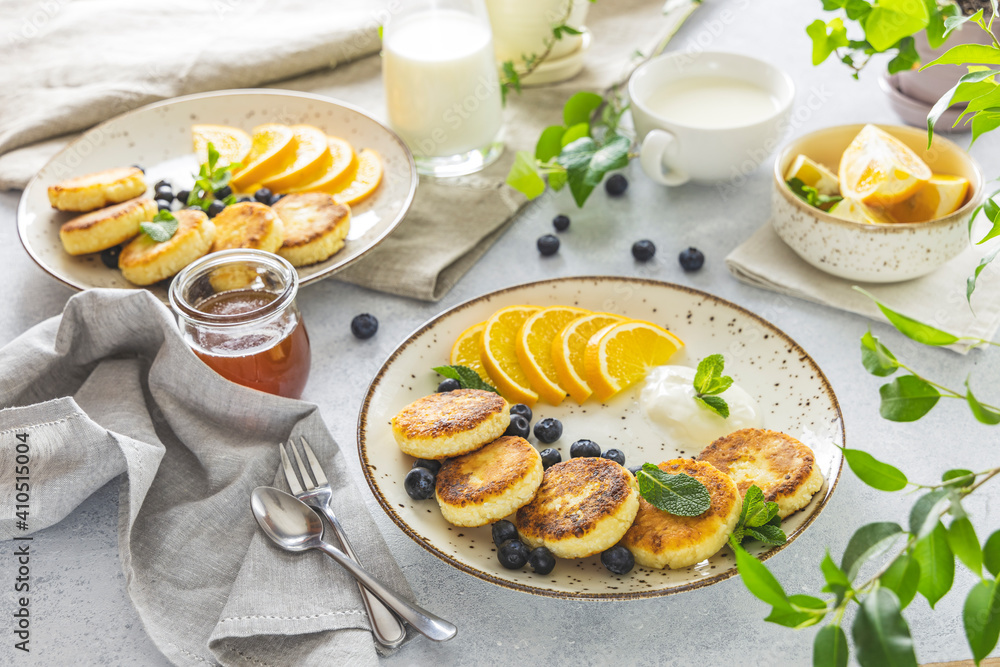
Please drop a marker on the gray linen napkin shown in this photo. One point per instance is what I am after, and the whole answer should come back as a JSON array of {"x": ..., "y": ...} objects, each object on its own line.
[
  {"x": 111, "y": 388},
  {"x": 938, "y": 299}
]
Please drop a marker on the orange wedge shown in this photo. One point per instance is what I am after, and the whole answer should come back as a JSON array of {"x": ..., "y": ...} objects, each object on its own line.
[
  {"x": 232, "y": 143},
  {"x": 878, "y": 169},
  {"x": 534, "y": 349},
  {"x": 364, "y": 181},
  {"x": 468, "y": 350},
  {"x": 568, "y": 349},
  {"x": 273, "y": 147},
  {"x": 942, "y": 195},
  {"x": 311, "y": 151},
  {"x": 619, "y": 355},
  {"x": 339, "y": 168},
  {"x": 500, "y": 353}
]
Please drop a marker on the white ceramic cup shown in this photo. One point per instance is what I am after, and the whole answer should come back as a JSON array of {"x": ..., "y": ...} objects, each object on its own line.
[{"x": 674, "y": 153}]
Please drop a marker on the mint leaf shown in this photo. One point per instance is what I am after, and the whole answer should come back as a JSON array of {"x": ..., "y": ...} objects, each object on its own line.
[
  {"x": 213, "y": 157},
  {"x": 678, "y": 494},
  {"x": 708, "y": 381},
  {"x": 811, "y": 195},
  {"x": 708, "y": 368},
  {"x": 162, "y": 228},
  {"x": 758, "y": 519},
  {"x": 716, "y": 404},
  {"x": 767, "y": 534},
  {"x": 468, "y": 378}
]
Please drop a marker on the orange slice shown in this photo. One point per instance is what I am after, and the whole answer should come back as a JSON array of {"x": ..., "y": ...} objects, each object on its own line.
[
  {"x": 339, "y": 168},
  {"x": 878, "y": 169},
  {"x": 468, "y": 350},
  {"x": 363, "y": 182},
  {"x": 311, "y": 151},
  {"x": 232, "y": 143},
  {"x": 534, "y": 349},
  {"x": 568, "y": 349},
  {"x": 942, "y": 195},
  {"x": 500, "y": 353},
  {"x": 619, "y": 355},
  {"x": 273, "y": 147}
]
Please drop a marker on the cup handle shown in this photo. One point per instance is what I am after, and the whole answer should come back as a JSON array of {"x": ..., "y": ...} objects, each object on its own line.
[{"x": 655, "y": 146}]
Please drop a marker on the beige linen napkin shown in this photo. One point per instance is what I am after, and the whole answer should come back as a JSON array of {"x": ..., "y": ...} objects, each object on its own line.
[
  {"x": 938, "y": 299},
  {"x": 79, "y": 66}
]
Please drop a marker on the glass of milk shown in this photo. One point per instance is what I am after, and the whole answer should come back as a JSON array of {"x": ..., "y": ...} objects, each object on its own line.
[{"x": 441, "y": 85}]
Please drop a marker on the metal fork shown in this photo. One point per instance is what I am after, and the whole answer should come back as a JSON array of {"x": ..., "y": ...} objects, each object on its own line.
[{"x": 386, "y": 627}]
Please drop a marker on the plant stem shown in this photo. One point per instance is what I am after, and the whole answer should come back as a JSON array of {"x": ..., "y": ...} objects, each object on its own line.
[{"x": 549, "y": 43}]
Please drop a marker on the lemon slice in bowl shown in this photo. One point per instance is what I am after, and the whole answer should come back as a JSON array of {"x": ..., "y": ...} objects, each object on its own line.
[
  {"x": 942, "y": 195},
  {"x": 232, "y": 143},
  {"x": 852, "y": 209},
  {"x": 534, "y": 349},
  {"x": 311, "y": 151},
  {"x": 500, "y": 353},
  {"x": 568, "y": 348},
  {"x": 814, "y": 175},
  {"x": 619, "y": 355},
  {"x": 878, "y": 169},
  {"x": 467, "y": 350}
]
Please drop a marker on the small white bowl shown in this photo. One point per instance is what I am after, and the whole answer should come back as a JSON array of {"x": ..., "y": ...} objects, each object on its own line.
[{"x": 875, "y": 253}]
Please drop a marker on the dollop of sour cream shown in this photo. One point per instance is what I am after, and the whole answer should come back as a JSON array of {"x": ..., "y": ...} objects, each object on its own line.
[{"x": 667, "y": 400}]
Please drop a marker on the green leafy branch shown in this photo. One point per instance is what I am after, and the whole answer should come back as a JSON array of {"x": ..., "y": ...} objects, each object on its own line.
[{"x": 211, "y": 178}]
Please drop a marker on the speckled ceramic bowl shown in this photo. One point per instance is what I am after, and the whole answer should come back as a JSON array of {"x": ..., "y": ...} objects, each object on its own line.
[{"x": 873, "y": 253}]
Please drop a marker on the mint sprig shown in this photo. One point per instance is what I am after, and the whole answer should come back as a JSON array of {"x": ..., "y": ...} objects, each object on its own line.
[
  {"x": 678, "y": 494},
  {"x": 811, "y": 195},
  {"x": 709, "y": 381},
  {"x": 758, "y": 520},
  {"x": 468, "y": 378},
  {"x": 162, "y": 228},
  {"x": 210, "y": 179}
]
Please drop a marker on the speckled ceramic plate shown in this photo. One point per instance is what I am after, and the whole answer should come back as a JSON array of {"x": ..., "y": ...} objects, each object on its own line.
[
  {"x": 791, "y": 390},
  {"x": 158, "y": 137}
]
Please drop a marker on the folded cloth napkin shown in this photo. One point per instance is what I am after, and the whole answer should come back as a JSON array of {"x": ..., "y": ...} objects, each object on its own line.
[
  {"x": 938, "y": 299},
  {"x": 110, "y": 388},
  {"x": 196, "y": 46}
]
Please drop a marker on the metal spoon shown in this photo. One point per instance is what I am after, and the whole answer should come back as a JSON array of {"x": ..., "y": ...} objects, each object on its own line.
[{"x": 293, "y": 526}]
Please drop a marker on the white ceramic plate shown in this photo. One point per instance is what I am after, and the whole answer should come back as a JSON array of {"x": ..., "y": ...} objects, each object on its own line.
[
  {"x": 158, "y": 137},
  {"x": 791, "y": 390}
]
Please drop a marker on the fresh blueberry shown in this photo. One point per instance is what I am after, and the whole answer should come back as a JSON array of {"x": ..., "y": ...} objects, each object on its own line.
[
  {"x": 242, "y": 199},
  {"x": 223, "y": 192},
  {"x": 616, "y": 185},
  {"x": 429, "y": 464},
  {"x": 643, "y": 250},
  {"x": 449, "y": 384},
  {"x": 274, "y": 199},
  {"x": 164, "y": 192},
  {"x": 635, "y": 470},
  {"x": 162, "y": 205},
  {"x": 541, "y": 560},
  {"x": 561, "y": 222},
  {"x": 548, "y": 430},
  {"x": 110, "y": 256},
  {"x": 513, "y": 554},
  {"x": 584, "y": 448},
  {"x": 691, "y": 259},
  {"x": 263, "y": 196},
  {"x": 419, "y": 483},
  {"x": 364, "y": 325},
  {"x": 503, "y": 530},
  {"x": 216, "y": 207},
  {"x": 618, "y": 559},
  {"x": 521, "y": 409},
  {"x": 518, "y": 426},
  {"x": 616, "y": 455},
  {"x": 182, "y": 197},
  {"x": 163, "y": 183},
  {"x": 550, "y": 457},
  {"x": 548, "y": 245},
  {"x": 139, "y": 167}
]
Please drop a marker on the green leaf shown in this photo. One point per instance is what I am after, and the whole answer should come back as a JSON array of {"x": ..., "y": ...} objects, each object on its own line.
[
  {"x": 524, "y": 176},
  {"x": 867, "y": 541},
  {"x": 966, "y": 476},
  {"x": 902, "y": 577},
  {"x": 892, "y": 20},
  {"x": 811, "y": 195},
  {"x": 876, "y": 357},
  {"x": 759, "y": 580},
  {"x": 162, "y": 228},
  {"x": 708, "y": 368},
  {"x": 981, "y": 618},
  {"x": 678, "y": 494},
  {"x": 880, "y": 633},
  {"x": 550, "y": 143},
  {"x": 906, "y": 58},
  {"x": 857, "y": 10},
  {"x": 967, "y": 53},
  {"x": 716, "y": 404},
  {"x": 805, "y": 611},
  {"x": 468, "y": 378},
  {"x": 834, "y": 575},
  {"x": 873, "y": 472},
  {"x": 830, "y": 647},
  {"x": 969, "y": 87},
  {"x": 579, "y": 107},
  {"x": 964, "y": 544},
  {"x": 557, "y": 179},
  {"x": 213, "y": 157},
  {"x": 937, "y": 29},
  {"x": 991, "y": 554},
  {"x": 907, "y": 399},
  {"x": 586, "y": 163},
  {"x": 926, "y": 511},
  {"x": 767, "y": 534},
  {"x": 937, "y": 564},
  {"x": 956, "y": 20},
  {"x": 911, "y": 328},
  {"x": 574, "y": 132},
  {"x": 970, "y": 285},
  {"x": 982, "y": 413},
  {"x": 826, "y": 38}
]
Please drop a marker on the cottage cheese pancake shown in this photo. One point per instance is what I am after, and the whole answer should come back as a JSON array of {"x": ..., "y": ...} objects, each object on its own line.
[{"x": 450, "y": 423}]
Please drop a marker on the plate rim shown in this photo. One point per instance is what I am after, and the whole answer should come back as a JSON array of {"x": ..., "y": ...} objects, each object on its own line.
[
  {"x": 22, "y": 205},
  {"x": 543, "y": 592}
]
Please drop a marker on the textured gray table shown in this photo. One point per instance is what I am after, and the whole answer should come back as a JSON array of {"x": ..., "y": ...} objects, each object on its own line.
[{"x": 81, "y": 612}]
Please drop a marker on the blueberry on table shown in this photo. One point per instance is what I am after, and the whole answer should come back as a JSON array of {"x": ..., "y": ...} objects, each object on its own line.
[
  {"x": 216, "y": 207},
  {"x": 548, "y": 245},
  {"x": 616, "y": 455},
  {"x": 618, "y": 560},
  {"x": 449, "y": 384},
  {"x": 541, "y": 560},
  {"x": 513, "y": 554},
  {"x": 518, "y": 426},
  {"x": 548, "y": 430},
  {"x": 164, "y": 192},
  {"x": 691, "y": 259},
  {"x": 584, "y": 448},
  {"x": 643, "y": 250},
  {"x": 182, "y": 197},
  {"x": 521, "y": 409},
  {"x": 561, "y": 222},
  {"x": 110, "y": 256},
  {"x": 162, "y": 205},
  {"x": 263, "y": 196},
  {"x": 419, "y": 483},
  {"x": 364, "y": 326},
  {"x": 550, "y": 457},
  {"x": 429, "y": 464},
  {"x": 223, "y": 192},
  {"x": 503, "y": 530},
  {"x": 616, "y": 185}
]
